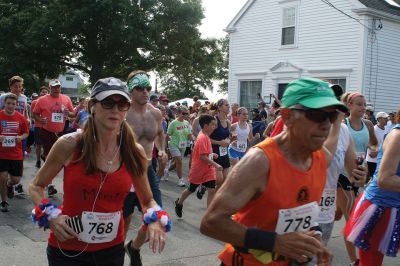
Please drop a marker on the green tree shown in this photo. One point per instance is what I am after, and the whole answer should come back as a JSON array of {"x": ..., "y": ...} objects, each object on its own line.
[
  {"x": 105, "y": 37},
  {"x": 223, "y": 64}
]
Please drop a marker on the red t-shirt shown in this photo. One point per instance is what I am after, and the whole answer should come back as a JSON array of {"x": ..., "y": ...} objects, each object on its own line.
[
  {"x": 200, "y": 171},
  {"x": 79, "y": 193},
  {"x": 278, "y": 127},
  {"x": 52, "y": 108},
  {"x": 12, "y": 126}
]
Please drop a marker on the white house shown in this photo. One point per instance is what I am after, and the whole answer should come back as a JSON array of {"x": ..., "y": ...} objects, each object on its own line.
[
  {"x": 354, "y": 43},
  {"x": 70, "y": 83}
]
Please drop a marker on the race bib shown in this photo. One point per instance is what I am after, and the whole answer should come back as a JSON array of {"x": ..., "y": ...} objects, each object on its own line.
[
  {"x": 99, "y": 227},
  {"x": 327, "y": 203},
  {"x": 182, "y": 144},
  {"x": 9, "y": 141},
  {"x": 57, "y": 118},
  {"x": 298, "y": 219},
  {"x": 241, "y": 146},
  {"x": 223, "y": 151}
]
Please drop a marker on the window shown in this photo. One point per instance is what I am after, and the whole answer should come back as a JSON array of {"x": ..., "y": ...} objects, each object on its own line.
[
  {"x": 341, "y": 82},
  {"x": 69, "y": 78},
  {"x": 250, "y": 93},
  {"x": 281, "y": 89},
  {"x": 288, "y": 26}
]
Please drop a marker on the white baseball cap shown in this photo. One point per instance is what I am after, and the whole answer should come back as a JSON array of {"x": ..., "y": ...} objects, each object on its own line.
[
  {"x": 382, "y": 115},
  {"x": 54, "y": 83}
]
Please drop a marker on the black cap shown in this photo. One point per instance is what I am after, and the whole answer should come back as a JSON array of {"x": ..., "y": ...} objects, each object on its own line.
[
  {"x": 154, "y": 97},
  {"x": 107, "y": 87}
]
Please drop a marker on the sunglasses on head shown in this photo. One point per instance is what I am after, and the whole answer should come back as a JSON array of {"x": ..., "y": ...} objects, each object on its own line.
[
  {"x": 142, "y": 89},
  {"x": 109, "y": 104},
  {"x": 318, "y": 115},
  {"x": 185, "y": 113}
]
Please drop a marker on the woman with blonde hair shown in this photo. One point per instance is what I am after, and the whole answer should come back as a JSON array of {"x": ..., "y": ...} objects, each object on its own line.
[
  {"x": 363, "y": 135},
  {"x": 220, "y": 137}
]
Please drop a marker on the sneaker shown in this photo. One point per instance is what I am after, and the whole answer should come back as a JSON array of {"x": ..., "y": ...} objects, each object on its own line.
[
  {"x": 10, "y": 192},
  {"x": 4, "y": 206},
  {"x": 51, "y": 190},
  {"x": 38, "y": 164},
  {"x": 134, "y": 254},
  {"x": 19, "y": 190},
  {"x": 181, "y": 183},
  {"x": 178, "y": 208},
  {"x": 200, "y": 192}
]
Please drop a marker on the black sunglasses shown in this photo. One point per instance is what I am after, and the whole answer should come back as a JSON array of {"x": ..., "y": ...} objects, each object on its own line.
[
  {"x": 185, "y": 113},
  {"x": 317, "y": 115},
  {"x": 141, "y": 89},
  {"x": 109, "y": 104}
]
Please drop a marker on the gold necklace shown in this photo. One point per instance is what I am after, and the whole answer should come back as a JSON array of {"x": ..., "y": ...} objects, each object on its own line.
[{"x": 110, "y": 162}]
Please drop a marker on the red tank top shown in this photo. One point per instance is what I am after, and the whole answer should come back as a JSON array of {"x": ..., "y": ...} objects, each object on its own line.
[
  {"x": 287, "y": 187},
  {"x": 79, "y": 193}
]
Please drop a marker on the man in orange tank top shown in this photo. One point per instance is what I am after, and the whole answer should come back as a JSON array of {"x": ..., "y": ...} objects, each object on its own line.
[{"x": 272, "y": 193}]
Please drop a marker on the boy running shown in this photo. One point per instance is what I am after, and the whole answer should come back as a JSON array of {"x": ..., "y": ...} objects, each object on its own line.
[{"x": 202, "y": 171}]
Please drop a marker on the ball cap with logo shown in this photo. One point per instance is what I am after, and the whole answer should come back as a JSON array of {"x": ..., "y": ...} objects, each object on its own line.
[
  {"x": 54, "y": 83},
  {"x": 311, "y": 93},
  {"x": 107, "y": 87}
]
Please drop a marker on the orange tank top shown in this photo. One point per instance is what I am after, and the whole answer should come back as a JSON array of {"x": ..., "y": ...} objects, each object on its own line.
[{"x": 287, "y": 187}]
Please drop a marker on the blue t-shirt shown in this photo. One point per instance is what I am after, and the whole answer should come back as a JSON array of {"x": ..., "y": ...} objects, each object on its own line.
[
  {"x": 382, "y": 197},
  {"x": 83, "y": 116}
]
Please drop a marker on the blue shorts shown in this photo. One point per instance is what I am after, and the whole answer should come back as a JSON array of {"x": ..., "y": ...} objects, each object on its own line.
[{"x": 234, "y": 154}]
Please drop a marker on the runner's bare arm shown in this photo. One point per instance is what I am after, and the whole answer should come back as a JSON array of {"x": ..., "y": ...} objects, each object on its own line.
[
  {"x": 356, "y": 174},
  {"x": 142, "y": 187},
  {"x": 331, "y": 142},
  {"x": 373, "y": 141},
  {"x": 244, "y": 184},
  {"x": 387, "y": 175},
  {"x": 159, "y": 142},
  {"x": 238, "y": 189},
  {"x": 59, "y": 156}
]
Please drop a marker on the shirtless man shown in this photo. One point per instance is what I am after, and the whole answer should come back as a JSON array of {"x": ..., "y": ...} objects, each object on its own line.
[{"x": 146, "y": 123}]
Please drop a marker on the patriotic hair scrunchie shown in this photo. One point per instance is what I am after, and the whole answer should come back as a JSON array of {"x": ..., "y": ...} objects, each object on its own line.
[
  {"x": 157, "y": 214},
  {"x": 44, "y": 212}
]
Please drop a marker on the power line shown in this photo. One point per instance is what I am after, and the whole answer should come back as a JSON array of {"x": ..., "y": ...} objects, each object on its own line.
[{"x": 344, "y": 13}]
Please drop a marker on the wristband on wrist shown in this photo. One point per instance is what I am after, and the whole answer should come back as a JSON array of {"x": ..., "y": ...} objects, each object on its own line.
[
  {"x": 317, "y": 229},
  {"x": 259, "y": 239},
  {"x": 44, "y": 212},
  {"x": 155, "y": 214}
]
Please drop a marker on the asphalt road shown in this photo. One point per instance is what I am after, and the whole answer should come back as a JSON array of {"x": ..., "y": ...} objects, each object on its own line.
[{"x": 22, "y": 244}]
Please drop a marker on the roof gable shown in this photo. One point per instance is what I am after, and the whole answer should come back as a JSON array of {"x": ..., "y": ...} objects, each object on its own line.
[{"x": 383, "y": 5}]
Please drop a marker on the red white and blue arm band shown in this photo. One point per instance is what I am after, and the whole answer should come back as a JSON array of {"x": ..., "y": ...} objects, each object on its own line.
[
  {"x": 44, "y": 212},
  {"x": 155, "y": 214}
]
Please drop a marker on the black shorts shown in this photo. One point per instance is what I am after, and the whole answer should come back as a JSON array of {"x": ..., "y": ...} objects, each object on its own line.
[
  {"x": 13, "y": 167},
  {"x": 130, "y": 202},
  {"x": 48, "y": 139},
  {"x": 31, "y": 137},
  {"x": 344, "y": 183},
  {"x": 223, "y": 161},
  {"x": 208, "y": 184},
  {"x": 36, "y": 133}
]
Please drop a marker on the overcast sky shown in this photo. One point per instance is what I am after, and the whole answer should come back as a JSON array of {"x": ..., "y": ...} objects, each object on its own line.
[{"x": 218, "y": 14}]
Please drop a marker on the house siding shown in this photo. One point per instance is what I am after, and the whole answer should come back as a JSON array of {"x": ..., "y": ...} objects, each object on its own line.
[
  {"x": 382, "y": 68},
  {"x": 327, "y": 42}
]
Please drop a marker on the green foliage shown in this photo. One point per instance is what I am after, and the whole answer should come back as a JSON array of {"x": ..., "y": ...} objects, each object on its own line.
[
  {"x": 223, "y": 64},
  {"x": 84, "y": 89},
  {"x": 101, "y": 38}
]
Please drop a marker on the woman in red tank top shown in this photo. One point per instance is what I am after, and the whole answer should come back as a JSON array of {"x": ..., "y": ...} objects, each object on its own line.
[{"x": 98, "y": 174}]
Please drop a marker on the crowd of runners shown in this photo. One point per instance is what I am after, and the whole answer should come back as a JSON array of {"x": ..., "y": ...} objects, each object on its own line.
[{"x": 276, "y": 177}]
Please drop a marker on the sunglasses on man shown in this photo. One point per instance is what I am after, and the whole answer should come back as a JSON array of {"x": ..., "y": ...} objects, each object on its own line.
[
  {"x": 142, "y": 89},
  {"x": 318, "y": 115},
  {"x": 109, "y": 104}
]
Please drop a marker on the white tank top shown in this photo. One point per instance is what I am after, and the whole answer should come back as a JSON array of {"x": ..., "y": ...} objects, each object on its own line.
[
  {"x": 241, "y": 140},
  {"x": 327, "y": 203}
]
